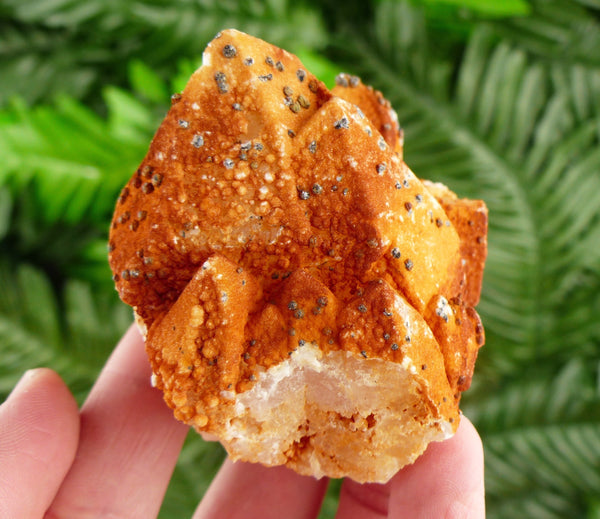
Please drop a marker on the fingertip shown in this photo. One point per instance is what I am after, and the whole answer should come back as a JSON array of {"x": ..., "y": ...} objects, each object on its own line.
[
  {"x": 266, "y": 492},
  {"x": 446, "y": 481},
  {"x": 39, "y": 428},
  {"x": 41, "y": 397}
]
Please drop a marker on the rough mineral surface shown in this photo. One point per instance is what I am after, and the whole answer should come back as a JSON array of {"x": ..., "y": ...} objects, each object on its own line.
[{"x": 306, "y": 299}]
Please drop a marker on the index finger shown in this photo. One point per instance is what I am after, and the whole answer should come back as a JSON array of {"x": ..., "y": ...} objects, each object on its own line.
[{"x": 129, "y": 443}]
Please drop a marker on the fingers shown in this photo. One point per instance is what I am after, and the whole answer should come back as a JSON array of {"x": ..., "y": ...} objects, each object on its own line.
[
  {"x": 244, "y": 490},
  {"x": 39, "y": 428},
  {"x": 447, "y": 481},
  {"x": 129, "y": 443}
]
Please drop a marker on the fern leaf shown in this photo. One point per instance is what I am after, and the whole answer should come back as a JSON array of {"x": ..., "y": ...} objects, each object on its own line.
[
  {"x": 34, "y": 319},
  {"x": 74, "y": 156},
  {"x": 52, "y": 46}
]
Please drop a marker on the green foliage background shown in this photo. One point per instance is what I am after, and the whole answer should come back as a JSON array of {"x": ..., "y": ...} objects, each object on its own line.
[{"x": 498, "y": 99}]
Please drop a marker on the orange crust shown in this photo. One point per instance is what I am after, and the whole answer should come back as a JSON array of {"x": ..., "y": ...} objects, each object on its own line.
[
  {"x": 376, "y": 108},
  {"x": 271, "y": 213}
]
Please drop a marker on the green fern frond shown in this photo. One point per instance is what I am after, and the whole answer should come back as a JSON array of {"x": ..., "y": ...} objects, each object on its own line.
[
  {"x": 560, "y": 30},
  {"x": 71, "y": 331},
  {"x": 545, "y": 398},
  {"x": 64, "y": 46},
  {"x": 563, "y": 460},
  {"x": 78, "y": 162}
]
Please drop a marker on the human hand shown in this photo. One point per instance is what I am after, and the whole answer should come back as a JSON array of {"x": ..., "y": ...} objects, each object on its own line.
[{"x": 114, "y": 459}]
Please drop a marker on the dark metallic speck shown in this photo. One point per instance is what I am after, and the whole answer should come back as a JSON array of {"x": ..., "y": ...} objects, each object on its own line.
[
  {"x": 157, "y": 179},
  {"x": 303, "y": 102},
  {"x": 198, "y": 141},
  {"x": 312, "y": 147},
  {"x": 228, "y": 163},
  {"x": 147, "y": 188},
  {"x": 301, "y": 74},
  {"x": 266, "y": 77},
  {"x": 408, "y": 264},
  {"x": 292, "y": 305},
  {"x": 362, "y": 308},
  {"x": 317, "y": 189},
  {"x": 221, "y": 80},
  {"x": 343, "y": 123},
  {"x": 342, "y": 80},
  {"x": 249, "y": 61},
  {"x": 124, "y": 195},
  {"x": 394, "y": 346},
  {"x": 396, "y": 252},
  {"x": 229, "y": 51},
  {"x": 147, "y": 171}
]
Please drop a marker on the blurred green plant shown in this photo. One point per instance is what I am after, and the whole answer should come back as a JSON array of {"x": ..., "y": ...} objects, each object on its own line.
[
  {"x": 499, "y": 100},
  {"x": 49, "y": 47}
]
